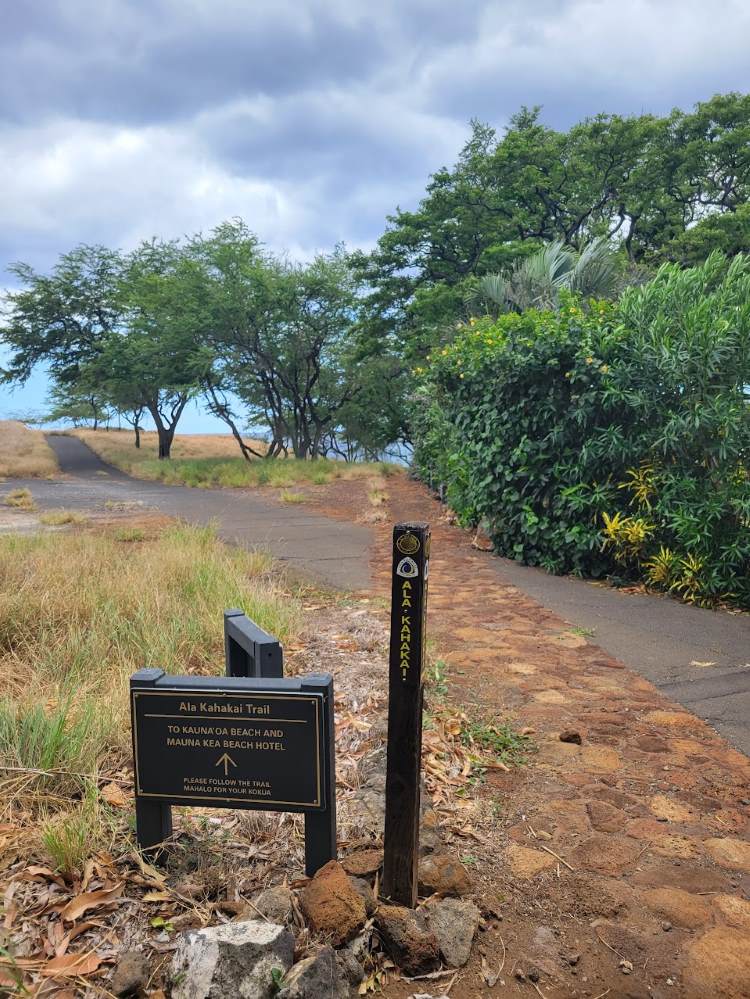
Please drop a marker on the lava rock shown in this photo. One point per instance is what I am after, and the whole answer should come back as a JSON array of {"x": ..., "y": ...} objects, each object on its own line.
[
  {"x": 362, "y": 862},
  {"x": 571, "y": 735},
  {"x": 131, "y": 974},
  {"x": 454, "y": 922},
  {"x": 362, "y": 887},
  {"x": 236, "y": 959},
  {"x": 314, "y": 977},
  {"x": 273, "y": 903},
  {"x": 443, "y": 874},
  {"x": 409, "y": 943},
  {"x": 332, "y": 904},
  {"x": 350, "y": 966}
]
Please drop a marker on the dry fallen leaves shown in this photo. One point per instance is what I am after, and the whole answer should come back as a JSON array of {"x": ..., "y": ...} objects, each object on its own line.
[{"x": 89, "y": 900}]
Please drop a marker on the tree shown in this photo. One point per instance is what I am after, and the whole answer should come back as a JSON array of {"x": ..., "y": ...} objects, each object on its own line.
[
  {"x": 641, "y": 182},
  {"x": 537, "y": 280},
  {"x": 124, "y": 330},
  {"x": 63, "y": 319},
  {"x": 77, "y": 403},
  {"x": 284, "y": 339}
]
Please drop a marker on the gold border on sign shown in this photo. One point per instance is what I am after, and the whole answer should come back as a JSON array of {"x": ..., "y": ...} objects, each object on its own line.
[
  {"x": 408, "y": 544},
  {"x": 316, "y": 700}
]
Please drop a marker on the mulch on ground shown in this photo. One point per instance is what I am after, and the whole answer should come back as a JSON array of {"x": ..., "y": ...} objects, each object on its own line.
[{"x": 618, "y": 859}]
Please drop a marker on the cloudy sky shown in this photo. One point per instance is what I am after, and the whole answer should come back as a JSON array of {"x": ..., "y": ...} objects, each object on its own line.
[{"x": 312, "y": 119}]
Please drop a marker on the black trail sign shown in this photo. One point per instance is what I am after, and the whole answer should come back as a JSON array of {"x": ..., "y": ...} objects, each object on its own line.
[
  {"x": 411, "y": 553},
  {"x": 234, "y": 743}
]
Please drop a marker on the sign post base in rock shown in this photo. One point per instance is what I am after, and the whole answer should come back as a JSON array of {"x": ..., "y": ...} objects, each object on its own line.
[
  {"x": 411, "y": 553},
  {"x": 234, "y": 742}
]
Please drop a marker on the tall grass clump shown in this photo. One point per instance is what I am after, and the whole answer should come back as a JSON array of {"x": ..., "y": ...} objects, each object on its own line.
[{"x": 80, "y": 612}]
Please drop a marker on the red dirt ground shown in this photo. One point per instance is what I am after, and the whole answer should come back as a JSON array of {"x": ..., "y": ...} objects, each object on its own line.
[{"x": 619, "y": 867}]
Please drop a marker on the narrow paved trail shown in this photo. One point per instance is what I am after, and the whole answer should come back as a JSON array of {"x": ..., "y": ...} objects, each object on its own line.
[{"x": 332, "y": 552}]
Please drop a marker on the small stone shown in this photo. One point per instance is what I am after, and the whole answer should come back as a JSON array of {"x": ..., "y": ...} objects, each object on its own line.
[
  {"x": 317, "y": 975},
  {"x": 454, "y": 922},
  {"x": 666, "y": 926},
  {"x": 520, "y": 975},
  {"x": 571, "y": 735},
  {"x": 332, "y": 904},
  {"x": 412, "y": 947},
  {"x": 350, "y": 966},
  {"x": 443, "y": 874},
  {"x": 368, "y": 804},
  {"x": 273, "y": 903},
  {"x": 543, "y": 835},
  {"x": 626, "y": 967},
  {"x": 131, "y": 974},
  {"x": 574, "y": 959},
  {"x": 362, "y": 862},
  {"x": 363, "y": 889},
  {"x": 235, "y": 959},
  {"x": 534, "y": 975}
]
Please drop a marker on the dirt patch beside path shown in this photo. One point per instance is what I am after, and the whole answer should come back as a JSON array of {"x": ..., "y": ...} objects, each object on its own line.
[{"x": 619, "y": 857}]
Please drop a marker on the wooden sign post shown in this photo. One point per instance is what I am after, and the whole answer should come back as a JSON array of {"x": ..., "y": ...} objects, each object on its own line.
[{"x": 411, "y": 553}]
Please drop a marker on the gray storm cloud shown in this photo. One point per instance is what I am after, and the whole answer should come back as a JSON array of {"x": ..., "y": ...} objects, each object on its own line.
[{"x": 311, "y": 120}]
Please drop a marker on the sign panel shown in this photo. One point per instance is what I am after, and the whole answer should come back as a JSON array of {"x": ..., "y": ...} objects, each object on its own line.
[{"x": 229, "y": 749}]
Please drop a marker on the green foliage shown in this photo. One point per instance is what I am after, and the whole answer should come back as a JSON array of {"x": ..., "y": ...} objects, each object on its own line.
[
  {"x": 606, "y": 439},
  {"x": 535, "y": 281},
  {"x": 56, "y": 747},
  {"x": 641, "y": 182}
]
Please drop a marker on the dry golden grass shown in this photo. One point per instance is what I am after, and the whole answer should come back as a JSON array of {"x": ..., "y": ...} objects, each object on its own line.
[
  {"x": 24, "y": 453},
  {"x": 81, "y": 611},
  {"x": 214, "y": 460},
  {"x": 19, "y": 498},
  {"x": 118, "y": 446}
]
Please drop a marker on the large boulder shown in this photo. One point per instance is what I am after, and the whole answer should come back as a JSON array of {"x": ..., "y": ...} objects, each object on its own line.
[
  {"x": 314, "y": 977},
  {"x": 332, "y": 905},
  {"x": 236, "y": 959}
]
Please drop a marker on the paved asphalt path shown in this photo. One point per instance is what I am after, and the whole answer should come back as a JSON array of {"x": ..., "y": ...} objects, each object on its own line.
[
  {"x": 659, "y": 638},
  {"x": 332, "y": 552}
]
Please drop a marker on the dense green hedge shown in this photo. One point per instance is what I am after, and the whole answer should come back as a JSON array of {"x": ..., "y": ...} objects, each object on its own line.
[{"x": 605, "y": 438}]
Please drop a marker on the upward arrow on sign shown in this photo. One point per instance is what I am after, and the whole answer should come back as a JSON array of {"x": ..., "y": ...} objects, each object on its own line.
[{"x": 226, "y": 760}]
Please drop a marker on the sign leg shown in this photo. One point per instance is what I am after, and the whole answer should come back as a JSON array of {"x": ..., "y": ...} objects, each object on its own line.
[
  {"x": 320, "y": 840},
  {"x": 153, "y": 825}
]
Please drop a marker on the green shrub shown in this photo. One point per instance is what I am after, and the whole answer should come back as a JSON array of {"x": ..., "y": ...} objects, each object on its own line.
[{"x": 606, "y": 439}]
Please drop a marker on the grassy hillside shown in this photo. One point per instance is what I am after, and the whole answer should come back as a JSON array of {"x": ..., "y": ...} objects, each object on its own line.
[{"x": 24, "y": 453}]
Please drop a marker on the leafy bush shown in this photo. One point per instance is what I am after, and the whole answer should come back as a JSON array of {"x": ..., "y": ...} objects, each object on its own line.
[{"x": 606, "y": 439}]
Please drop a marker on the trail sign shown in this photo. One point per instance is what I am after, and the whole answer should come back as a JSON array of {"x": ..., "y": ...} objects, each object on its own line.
[
  {"x": 411, "y": 555},
  {"x": 234, "y": 742}
]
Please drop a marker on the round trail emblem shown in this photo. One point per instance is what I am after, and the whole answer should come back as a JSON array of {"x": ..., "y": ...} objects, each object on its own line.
[
  {"x": 407, "y": 568},
  {"x": 408, "y": 544}
]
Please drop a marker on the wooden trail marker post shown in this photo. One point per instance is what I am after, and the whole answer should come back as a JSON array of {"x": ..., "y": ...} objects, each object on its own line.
[{"x": 411, "y": 554}]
